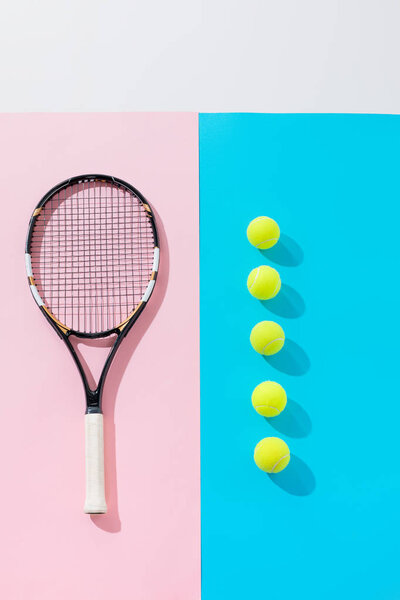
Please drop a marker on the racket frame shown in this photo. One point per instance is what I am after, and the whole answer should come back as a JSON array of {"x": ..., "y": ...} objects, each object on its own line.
[{"x": 93, "y": 397}]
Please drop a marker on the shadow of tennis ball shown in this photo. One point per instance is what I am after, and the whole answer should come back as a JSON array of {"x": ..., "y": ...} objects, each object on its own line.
[
  {"x": 286, "y": 252},
  {"x": 291, "y": 359},
  {"x": 287, "y": 303},
  {"x": 293, "y": 421},
  {"x": 297, "y": 479}
]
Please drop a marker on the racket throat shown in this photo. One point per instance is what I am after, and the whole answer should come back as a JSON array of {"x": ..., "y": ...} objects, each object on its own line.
[{"x": 93, "y": 401}]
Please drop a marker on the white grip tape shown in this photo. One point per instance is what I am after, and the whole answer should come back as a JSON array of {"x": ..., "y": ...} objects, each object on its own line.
[{"x": 94, "y": 449}]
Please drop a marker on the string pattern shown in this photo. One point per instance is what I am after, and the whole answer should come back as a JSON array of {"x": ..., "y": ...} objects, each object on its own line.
[{"x": 92, "y": 251}]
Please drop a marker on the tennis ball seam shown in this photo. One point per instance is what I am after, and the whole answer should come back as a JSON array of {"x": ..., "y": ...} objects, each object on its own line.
[
  {"x": 276, "y": 287},
  {"x": 255, "y": 278},
  {"x": 267, "y": 406},
  {"x": 279, "y": 461},
  {"x": 271, "y": 342},
  {"x": 268, "y": 240}
]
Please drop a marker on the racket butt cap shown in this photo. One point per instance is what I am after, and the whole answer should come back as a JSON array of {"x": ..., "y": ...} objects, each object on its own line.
[{"x": 95, "y": 510}]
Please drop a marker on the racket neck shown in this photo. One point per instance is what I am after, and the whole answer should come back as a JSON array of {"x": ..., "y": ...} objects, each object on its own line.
[{"x": 93, "y": 400}]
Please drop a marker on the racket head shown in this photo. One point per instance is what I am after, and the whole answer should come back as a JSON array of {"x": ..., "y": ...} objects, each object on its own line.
[{"x": 92, "y": 255}]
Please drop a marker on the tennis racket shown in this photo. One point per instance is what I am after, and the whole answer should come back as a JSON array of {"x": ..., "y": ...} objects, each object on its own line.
[{"x": 92, "y": 258}]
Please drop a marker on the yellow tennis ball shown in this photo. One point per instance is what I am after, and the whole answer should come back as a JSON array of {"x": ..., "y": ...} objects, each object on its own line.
[
  {"x": 269, "y": 398},
  {"x": 267, "y": 337},
  {"x": 263, "y": 232},
  {"x": 264, "y": 282},
  {"x": 271, "y": 455}
]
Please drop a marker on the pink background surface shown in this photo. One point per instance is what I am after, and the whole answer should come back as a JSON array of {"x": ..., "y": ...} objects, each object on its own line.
[{"x": 148, "y": 545}]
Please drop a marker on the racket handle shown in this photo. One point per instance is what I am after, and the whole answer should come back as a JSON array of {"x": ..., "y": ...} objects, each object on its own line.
[{"x": 94, "y": 450}]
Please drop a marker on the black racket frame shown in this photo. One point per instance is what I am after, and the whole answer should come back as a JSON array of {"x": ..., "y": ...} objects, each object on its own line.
[{"x": 94, "y": 397}]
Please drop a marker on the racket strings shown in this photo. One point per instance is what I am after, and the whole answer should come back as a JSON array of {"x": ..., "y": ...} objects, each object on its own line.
[{"x": 92, "y": 253}]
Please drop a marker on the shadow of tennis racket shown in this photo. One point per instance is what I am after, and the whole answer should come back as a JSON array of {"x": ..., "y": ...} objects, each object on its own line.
[{"x": 111, "y": 521}]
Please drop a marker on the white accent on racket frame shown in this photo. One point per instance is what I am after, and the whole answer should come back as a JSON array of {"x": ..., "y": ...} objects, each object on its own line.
[
  {"x": 36, "y": 295},
  {"x": 28, "y": 264},
  {"x": 156, "y": 259},
  {"x": 147, "y": 293}
]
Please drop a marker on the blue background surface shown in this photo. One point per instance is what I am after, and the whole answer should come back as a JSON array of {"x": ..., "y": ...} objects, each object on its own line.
[{"x": 327, "y": 526}]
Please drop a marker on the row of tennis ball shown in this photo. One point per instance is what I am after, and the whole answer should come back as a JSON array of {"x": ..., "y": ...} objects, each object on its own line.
[{"x": 267, "y": 337}]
